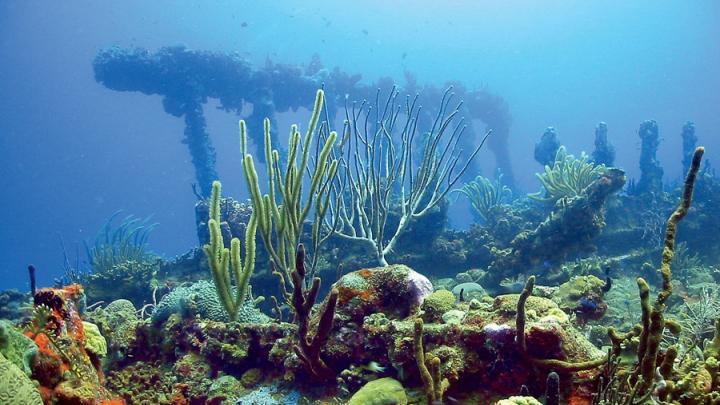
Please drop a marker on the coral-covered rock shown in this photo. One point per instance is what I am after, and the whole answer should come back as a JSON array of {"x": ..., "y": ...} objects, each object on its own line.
[
  {"x": 453, "y": 316},
  {"x": 583, "y": 296},
  {"x": 194, "y": 373},
  {"x": 129, "y": 279},
  {"x": 81, "y": 392},
  {"x": 436, "y": 304},
  {"x": 14, "y": 305},
  {"x": 63, "y": 367},
  {"x": 142, "y": 383},
  {"x": 224, "y": 388},
  {"x": 251, "y": 377},
  {"x": 117, "y": 322},
  {"x": 396, "y": 290}
]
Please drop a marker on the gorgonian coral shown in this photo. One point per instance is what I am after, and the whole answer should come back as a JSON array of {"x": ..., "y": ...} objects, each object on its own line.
[{"x": 567, "y": 177}]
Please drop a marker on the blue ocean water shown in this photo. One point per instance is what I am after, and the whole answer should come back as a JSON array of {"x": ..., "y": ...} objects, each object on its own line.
[{"x": 75, "y": 152}]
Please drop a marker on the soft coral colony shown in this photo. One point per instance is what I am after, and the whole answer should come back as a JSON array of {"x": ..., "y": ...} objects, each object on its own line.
[{"x": 534, "y": 315}]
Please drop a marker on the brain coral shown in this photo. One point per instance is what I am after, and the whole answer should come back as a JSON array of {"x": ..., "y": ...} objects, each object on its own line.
[
  {"x": 16, "y": 347},
  {"x": 94, "y": 340},
  {"x": 201, "y": 299},
  {"x": 16, "y": 388}
]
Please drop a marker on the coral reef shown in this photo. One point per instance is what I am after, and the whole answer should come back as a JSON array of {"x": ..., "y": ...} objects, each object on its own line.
[
  {"x": 604, "y": 152},
  {"x": 689, "y": 142},
  {"x": 573, "y": 224},
  {"x": 539, "y": 303},
  {"x": 65, "y": 370},
  {"x": 651, "y": 172},
  {"x": 546, "y": 149}
]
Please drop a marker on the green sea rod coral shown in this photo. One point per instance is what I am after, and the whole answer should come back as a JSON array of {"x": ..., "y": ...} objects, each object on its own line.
[
  {"x": 567, "y": 177},
  {"x": 284, "y": 208},
  {"x": 434, "y": 384},
  {"x": 226, "y": 264}
]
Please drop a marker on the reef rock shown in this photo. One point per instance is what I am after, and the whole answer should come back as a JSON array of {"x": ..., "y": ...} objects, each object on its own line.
[
  {"x": 63, "y": 367},
  {"x": 583, "y": 296},
  {"x": 396, "y": 291}
]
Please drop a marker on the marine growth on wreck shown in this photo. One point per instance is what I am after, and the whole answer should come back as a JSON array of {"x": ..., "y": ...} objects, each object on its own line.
[{"x": 337, "y": 276}]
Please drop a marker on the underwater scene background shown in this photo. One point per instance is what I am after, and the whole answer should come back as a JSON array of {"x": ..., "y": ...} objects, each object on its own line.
[{"x": 243, "y": 202}]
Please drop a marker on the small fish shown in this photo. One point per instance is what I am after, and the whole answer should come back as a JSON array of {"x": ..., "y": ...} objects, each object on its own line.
[
  {"x": 364, "y": 31},
  {"x": 374, "y": 367},
  {"x": 244, "y": 24}
]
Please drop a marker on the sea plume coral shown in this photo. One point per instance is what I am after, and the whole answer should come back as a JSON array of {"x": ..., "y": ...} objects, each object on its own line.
[
  {"x": 484, "y": 194},
  {"x": 567, "y": 177}
]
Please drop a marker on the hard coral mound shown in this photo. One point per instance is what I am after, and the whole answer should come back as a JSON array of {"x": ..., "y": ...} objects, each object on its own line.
[{"x": 201, "y": 299}]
